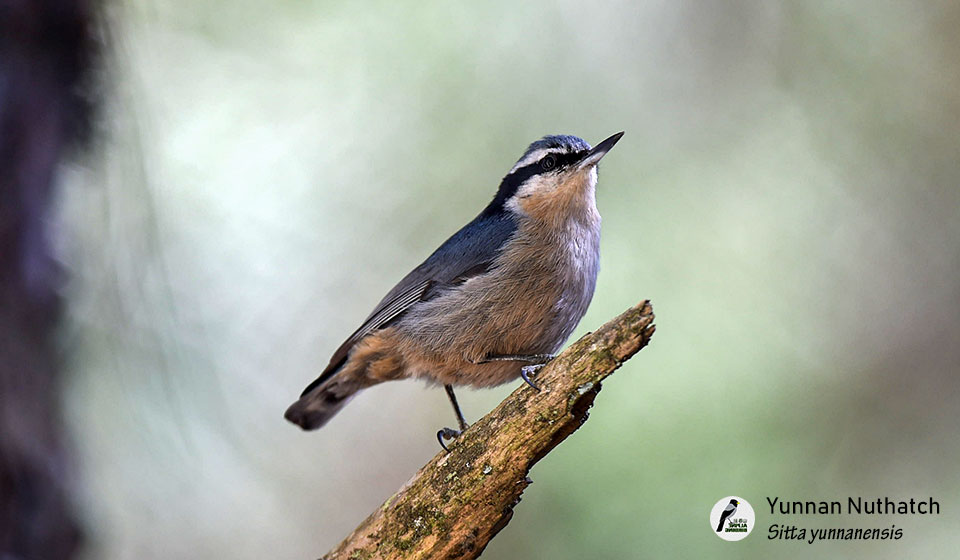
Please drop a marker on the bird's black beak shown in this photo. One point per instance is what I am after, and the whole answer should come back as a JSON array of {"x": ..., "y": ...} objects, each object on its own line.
[{"x": 600, "y": 150}]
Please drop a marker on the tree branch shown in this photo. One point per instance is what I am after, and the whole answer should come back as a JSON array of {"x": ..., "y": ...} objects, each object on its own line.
[{"x": 459, "y": 501}]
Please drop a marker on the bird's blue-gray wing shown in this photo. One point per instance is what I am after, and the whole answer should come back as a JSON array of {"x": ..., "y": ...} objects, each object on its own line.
[{"x": 469, "y": 252}]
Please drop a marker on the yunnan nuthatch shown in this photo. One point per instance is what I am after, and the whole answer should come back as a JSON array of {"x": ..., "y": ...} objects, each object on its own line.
[{"x": 494, "y": 302}]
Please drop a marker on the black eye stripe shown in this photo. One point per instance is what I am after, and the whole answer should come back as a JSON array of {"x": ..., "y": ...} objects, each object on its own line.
[
  {"x": 511, "y": 183},
  {"x": 563, "y": 160},
  {"x": 531, "y": 169},
  {"x": 560, "y": 161},
  {"x": 536, "y": 168}
]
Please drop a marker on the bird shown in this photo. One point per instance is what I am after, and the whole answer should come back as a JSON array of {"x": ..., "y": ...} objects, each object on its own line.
[
  {"x": 727, "y": 512},
  {"x": 494, "y": 302}
]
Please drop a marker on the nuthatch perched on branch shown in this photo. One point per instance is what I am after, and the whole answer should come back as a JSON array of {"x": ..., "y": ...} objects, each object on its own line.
[{"x": 494, "y": 302}]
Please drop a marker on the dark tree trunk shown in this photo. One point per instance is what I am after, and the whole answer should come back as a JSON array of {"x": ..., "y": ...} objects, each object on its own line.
[{"x": 45, "y": 58}]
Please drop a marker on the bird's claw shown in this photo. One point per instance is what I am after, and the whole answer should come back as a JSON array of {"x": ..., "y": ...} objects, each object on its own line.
[
  {"x": 527, "y": 371},
  {"x": 447, "y": 433}
]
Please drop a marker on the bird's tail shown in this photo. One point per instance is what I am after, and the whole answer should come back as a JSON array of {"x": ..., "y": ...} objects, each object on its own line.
[
  {"x": 720, "y": 525},
  {"x": 319, "y": 404}
]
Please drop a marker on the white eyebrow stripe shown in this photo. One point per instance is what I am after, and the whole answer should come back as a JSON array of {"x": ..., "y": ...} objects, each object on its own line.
[{"x": 535, "y": 156}]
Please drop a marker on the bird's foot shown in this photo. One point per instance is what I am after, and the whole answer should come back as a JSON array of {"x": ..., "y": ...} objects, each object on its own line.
[
  {"x": 447, "y": 433},
  {"x": 527, "y": 371}
]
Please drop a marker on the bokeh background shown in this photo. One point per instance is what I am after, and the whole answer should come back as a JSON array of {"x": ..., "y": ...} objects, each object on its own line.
[{"x": 787, "y": 194}]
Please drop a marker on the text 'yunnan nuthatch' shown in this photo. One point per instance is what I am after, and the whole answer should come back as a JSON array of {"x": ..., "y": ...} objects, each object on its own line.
[{"x": 494, "y": 302}]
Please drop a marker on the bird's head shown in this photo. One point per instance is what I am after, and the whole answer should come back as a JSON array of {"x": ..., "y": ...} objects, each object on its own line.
[
  {"x": 553, "y": 179},
  {"x": 735, "y": 502}
]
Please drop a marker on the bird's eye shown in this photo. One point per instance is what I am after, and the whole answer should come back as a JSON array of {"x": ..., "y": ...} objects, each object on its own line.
[{"x": 548, "y": 163}]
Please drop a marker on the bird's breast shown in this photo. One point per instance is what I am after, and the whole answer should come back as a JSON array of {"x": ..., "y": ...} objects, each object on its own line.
[{"x": 529, "y": 302}]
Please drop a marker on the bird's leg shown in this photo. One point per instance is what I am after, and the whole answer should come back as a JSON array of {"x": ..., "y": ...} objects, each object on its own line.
[
  {"x": 536, "y": 362},
  {"x": 541, "y": 359},
  {"x": 450, "y": 433},
  {"x": 456, "y": 407}
]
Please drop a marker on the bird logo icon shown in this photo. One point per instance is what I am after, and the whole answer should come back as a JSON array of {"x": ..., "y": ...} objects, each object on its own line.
[
  {"x": 732, "y": 518},
  {"x": 727, "y": 512}
]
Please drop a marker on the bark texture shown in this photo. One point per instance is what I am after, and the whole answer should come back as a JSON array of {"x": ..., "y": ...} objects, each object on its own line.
[{"x": 459, "y": 501}]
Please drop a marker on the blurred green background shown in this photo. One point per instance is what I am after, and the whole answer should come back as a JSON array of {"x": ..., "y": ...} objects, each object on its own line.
[{"x": 787, "y": 194}]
